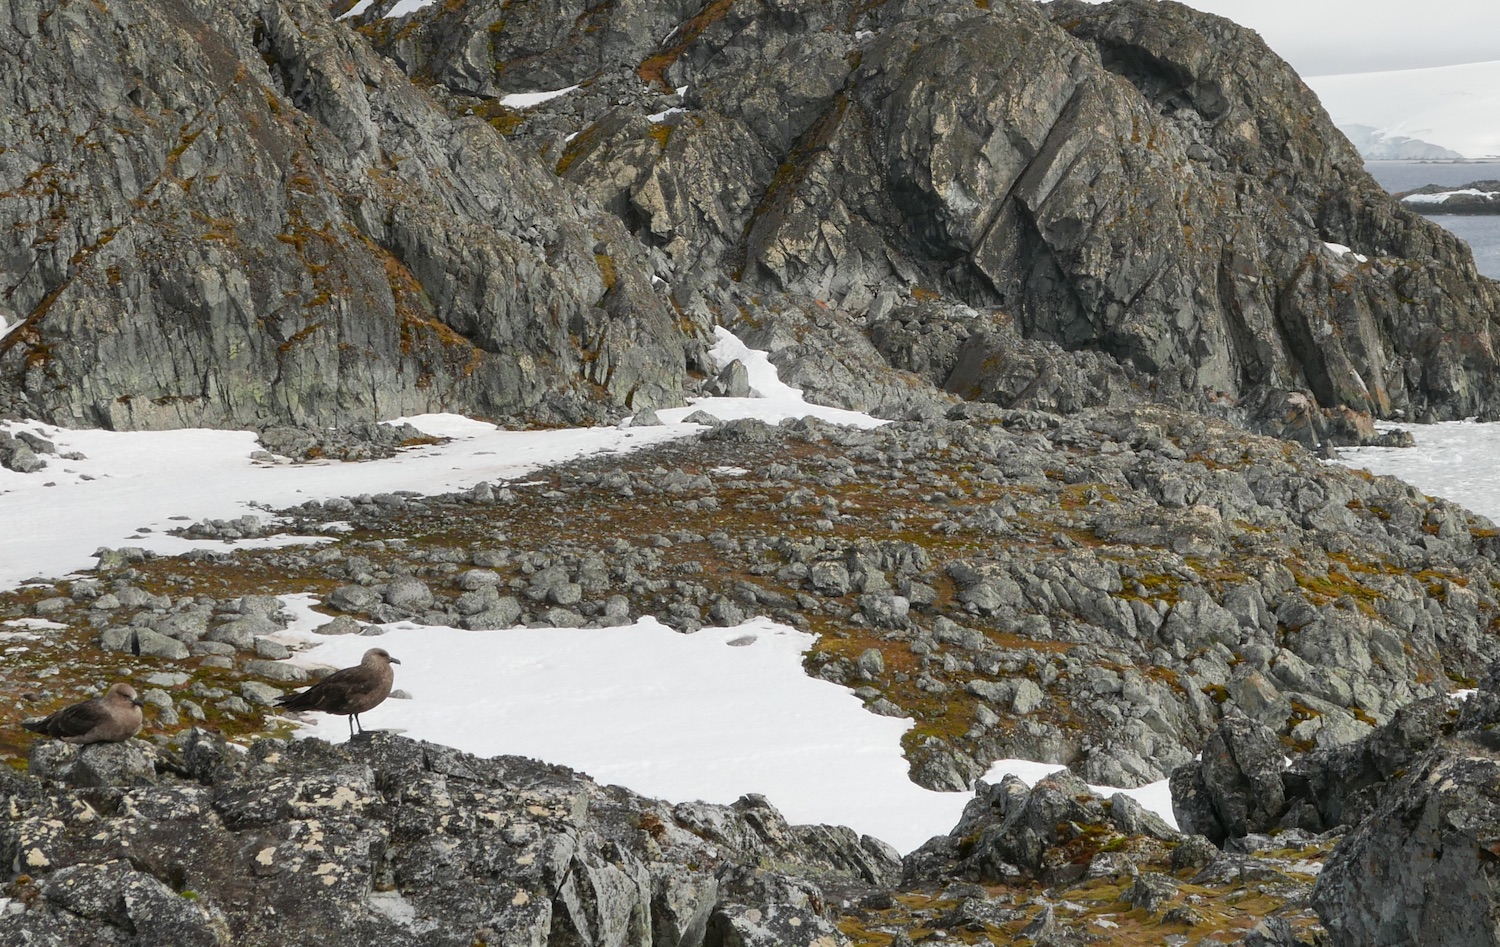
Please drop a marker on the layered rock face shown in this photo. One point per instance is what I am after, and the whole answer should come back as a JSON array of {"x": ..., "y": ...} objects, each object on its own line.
[
  {"x": 1137, "y": 180},
  {"x": 230, "y": 214},
  {"x": 255, "y": 219}
]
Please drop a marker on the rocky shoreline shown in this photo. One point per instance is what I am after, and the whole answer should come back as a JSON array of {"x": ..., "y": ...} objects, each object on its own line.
[{"x": 1478, "y": 198}]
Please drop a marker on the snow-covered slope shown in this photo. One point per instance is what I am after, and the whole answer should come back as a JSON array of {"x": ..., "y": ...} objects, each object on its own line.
[{"x": 1454, "y": 107}]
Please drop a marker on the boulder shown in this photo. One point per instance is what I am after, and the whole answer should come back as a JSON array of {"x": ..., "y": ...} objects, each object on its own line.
[
  {"x": 1422, "y": 869},
  {"x": 1236, "y": 788}
]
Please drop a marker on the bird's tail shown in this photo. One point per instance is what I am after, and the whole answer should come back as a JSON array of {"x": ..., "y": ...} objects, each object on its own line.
[
  {"x": 38, "y": 725},
  {"x": 292, "y": 701}
]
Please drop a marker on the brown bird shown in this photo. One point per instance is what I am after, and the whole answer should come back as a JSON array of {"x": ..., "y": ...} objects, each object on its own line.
[
  {"x": 351, "y": 691},
  {"x": 113, "y": 718}
]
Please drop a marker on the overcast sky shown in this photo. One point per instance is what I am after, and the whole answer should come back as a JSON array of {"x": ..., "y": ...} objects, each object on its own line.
[{"x": 1325, "y": 37}]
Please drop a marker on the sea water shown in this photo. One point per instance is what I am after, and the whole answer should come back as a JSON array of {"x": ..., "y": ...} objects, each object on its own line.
[
  {"x": 1483, "y": 235},
  {"x": 1481, "y": 232},
  {"x": 1397, "y": 176}
]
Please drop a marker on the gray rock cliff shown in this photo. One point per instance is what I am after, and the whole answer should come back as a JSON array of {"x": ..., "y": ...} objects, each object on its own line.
[
  {"x": 1135, "y": 180},
  {"x": 233, "y": 214}
]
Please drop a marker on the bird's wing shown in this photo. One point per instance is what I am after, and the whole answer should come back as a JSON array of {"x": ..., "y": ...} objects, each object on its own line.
[
  {"x": 74, "y": 721},
  {"x": 329, "y": 693}
]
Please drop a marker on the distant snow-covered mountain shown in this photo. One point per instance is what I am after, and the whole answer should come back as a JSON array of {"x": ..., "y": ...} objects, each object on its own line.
[
  {"x": 1376, "y": 145},
  {"x": 1417, "y": 114}
]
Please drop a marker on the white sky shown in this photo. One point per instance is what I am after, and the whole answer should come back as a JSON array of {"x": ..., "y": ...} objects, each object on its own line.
[{"x": 1326, "y": 37}]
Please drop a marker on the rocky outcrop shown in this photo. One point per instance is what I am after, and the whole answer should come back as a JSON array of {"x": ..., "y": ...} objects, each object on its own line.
[
  {"x": 1055, "y": 207},
  {"x": 1052, "y": 832},
  {"x": 387, "y": 840},
  {"x": 1479, "y": 197},
  {"x": 258, "y": 220},
  {"x": 1246, "y": 783},
  {"x": 1236, "y": 787},
  {"x": 1137, "y": 181},
  {"x": 1420, "y": 868}
]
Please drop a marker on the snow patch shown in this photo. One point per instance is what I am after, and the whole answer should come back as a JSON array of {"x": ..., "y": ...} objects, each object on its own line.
[
  {"x": 51, "y": 522},
  {"x": 771, "y": 399},
  {"x": 710, "y": 715},
  {"x": 1339, "y": 250},
  {"x": 526, "y": 100},
  {"x": 1443, "y": 197}
]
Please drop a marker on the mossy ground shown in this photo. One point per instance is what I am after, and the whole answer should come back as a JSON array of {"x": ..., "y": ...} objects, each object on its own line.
[{"x": 1096, "y": 910}]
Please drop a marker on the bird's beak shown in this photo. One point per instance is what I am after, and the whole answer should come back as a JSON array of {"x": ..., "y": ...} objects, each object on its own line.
[
  {"x": 395, "y": 660},
  {"x": 139, "y": 702}
]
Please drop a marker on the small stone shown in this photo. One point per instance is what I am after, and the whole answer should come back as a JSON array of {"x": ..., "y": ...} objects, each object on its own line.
[
  {"x": 342, "y": 625},
  {"x": 242, "y": 632},
  {"x": 271, "y": 650},
  {"x": 153, "y": 644},
  {"x": 261, "y": 695},
  {"x": 408, "y": 594},
  {"x": 117, "y": 639},
  {"x": 277, "y": 671},
  {"x": 234, "y": 705},
  {"x": 475, "y": 579},
  {"x": 353, "y": 598},
  {"x": 51, "y": 606}
]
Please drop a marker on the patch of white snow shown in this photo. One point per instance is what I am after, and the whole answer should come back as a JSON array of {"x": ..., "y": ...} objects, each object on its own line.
[
  {"x": 526, "y": 100},
  {"x": 1339, "y": 250},
  {"x": 1443, "y": 197}
]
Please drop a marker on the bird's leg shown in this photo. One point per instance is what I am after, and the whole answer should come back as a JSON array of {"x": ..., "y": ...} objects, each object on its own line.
[
  {"x": 352, "y": 719},
  {"x": 357, "y": 723}
]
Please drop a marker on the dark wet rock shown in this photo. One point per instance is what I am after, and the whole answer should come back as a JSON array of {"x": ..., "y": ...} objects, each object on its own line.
[
  {"x": 1420, "y": 870},
  {"x": 1417, "y": 797},
  {"x": 1339, "y": 786}
]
